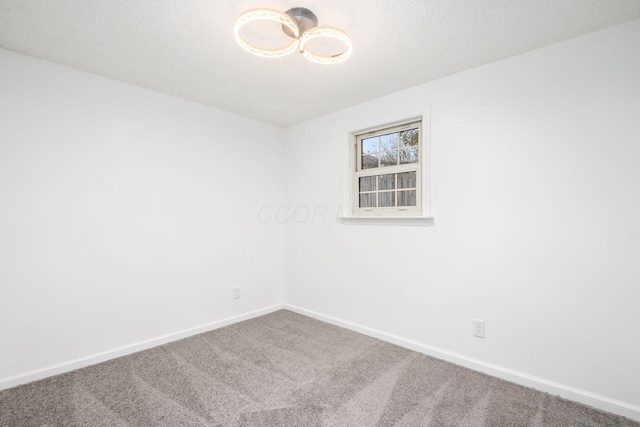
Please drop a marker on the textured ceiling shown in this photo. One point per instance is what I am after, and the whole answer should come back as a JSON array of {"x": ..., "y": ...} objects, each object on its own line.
[{"x": 187, "y": 49}]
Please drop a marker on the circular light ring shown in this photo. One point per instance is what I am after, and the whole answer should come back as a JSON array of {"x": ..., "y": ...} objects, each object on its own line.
[
  {"x": 331, "y": 32},
  {"x": 270, "y": 15}
]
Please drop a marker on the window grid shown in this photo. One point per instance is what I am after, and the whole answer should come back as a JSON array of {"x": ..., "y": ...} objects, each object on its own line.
[
  {"x": 389, "y": 152},
  {"x": 389, "y": 148},
  {"x": 396, "y": 190}
]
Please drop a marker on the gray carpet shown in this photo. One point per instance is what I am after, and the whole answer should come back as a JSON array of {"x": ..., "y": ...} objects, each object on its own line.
[{"x": 285, "y": 369}]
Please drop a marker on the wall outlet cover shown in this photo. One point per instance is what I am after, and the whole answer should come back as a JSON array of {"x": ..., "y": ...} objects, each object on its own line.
[{"x": 478, "y": 328}]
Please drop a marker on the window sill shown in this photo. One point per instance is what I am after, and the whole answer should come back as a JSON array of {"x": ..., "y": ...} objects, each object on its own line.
[{"x": 422, "y": 221}]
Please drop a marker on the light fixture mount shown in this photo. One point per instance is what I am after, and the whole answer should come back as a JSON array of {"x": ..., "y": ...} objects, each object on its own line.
[
  {"x": 304, "y": 19},
  {"x": 301, "y": 25}
]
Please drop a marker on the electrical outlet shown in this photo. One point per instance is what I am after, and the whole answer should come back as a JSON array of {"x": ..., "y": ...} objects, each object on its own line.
[
  {"x": 236, "y": 292},
  {"x": 478, "y": 328}
]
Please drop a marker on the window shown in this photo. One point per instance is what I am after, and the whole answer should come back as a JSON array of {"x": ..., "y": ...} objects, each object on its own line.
[{"x": 387, "y": 175}]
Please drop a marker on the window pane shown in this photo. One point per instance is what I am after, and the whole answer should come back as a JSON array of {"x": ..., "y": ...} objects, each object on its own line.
[
  {"x": 409, "y": 138},
  {"x": 406, "y": 180},
  {"x": 368, "y": 183},
  {"x": 389, "y": 141},
  {"x": 387, "y": 199},
  {"x": 370, "y": 145},
  {"x": 407, "y": 198},
  {"x": 409, "y": 155},
  {"x": 369, "y": 161},
  {"x": 389, "y": 158},
  {"x": 387, "y": 182},
  {"x": 368, "y": 200}
]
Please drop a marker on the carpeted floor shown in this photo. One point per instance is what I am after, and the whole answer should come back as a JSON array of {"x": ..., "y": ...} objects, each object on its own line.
[{"x": 284, "y": 369}]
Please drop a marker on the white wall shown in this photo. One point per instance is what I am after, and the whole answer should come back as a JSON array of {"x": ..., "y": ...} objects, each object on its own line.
[
  {"x": 125, "y": 214},
  {"x": 536, "y": 199}
]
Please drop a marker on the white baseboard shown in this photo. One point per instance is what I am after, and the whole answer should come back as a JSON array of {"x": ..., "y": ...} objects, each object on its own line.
[
  {"x": 571, "y": 393},
  {"x": 128, "y": 349},
  {"x": 597, "y": 401}
]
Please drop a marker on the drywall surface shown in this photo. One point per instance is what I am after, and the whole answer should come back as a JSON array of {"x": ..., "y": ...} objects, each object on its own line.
[
  {"x": 125, "y": 214},
  {"x": 536, "y": 197}
]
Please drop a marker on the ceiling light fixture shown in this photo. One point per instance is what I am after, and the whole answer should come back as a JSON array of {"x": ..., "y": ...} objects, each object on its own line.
[{"x": 301, "y": 25}]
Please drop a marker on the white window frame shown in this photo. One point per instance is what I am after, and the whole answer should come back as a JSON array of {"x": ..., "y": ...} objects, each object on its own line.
[
  {"x": 419, "y": 215},
  {"x": 410, "y": 167}
]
